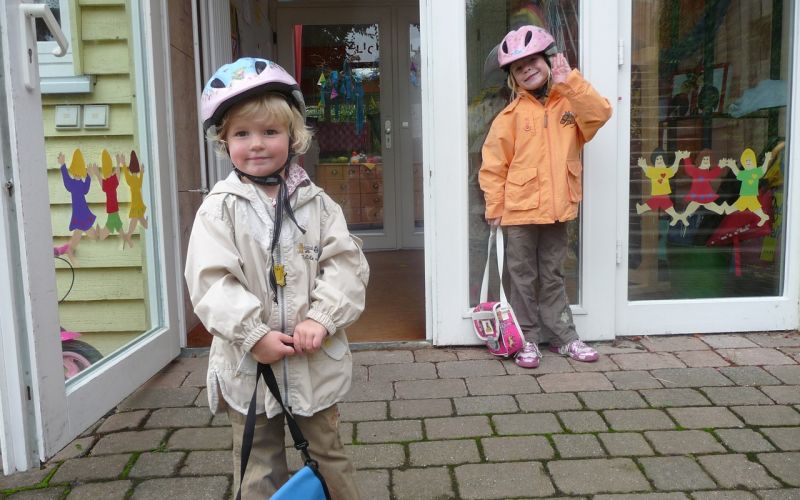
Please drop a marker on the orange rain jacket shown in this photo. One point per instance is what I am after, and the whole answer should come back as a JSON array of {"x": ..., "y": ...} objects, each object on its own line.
[{"x": 531, "y": 171}]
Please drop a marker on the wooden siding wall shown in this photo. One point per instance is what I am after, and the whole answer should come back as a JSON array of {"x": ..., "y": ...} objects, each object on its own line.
[{"x": 107, "y": 301}]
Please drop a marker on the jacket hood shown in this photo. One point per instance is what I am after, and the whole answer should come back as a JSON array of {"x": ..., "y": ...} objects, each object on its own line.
[{"x": 233, "y": 185}]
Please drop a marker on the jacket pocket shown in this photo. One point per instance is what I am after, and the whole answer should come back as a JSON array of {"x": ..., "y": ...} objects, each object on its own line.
[
  {"x": 522, "y": 189},
  {"x": 334, "y": 346},
  {"x": 574, "y": 181}
]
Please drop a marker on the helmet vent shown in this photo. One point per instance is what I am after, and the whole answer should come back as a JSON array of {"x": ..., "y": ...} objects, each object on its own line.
[
  {"x": 528, "y": 37},
  {"x": 505, "y": 47},
  {"x": 260, "y": 66},
  {"x": 217, "y": 83}
]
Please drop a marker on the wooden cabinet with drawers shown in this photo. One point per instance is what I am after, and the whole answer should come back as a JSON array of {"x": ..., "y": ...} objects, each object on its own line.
[{"x": 358, "y": 188}]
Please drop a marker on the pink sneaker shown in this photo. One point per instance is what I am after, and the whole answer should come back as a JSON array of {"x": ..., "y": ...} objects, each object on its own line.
[
  {"x": 528, "y": 357},
  {"x": 576, "y": 350}
]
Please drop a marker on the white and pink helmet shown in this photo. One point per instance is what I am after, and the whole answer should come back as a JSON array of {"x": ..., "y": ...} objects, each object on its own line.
[
  {"x": 524, "y": 42},
  {"x": 244, "y": 78}
]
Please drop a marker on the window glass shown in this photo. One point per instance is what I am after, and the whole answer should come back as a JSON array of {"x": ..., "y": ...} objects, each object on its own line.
[{"x": 709, "y": 94}]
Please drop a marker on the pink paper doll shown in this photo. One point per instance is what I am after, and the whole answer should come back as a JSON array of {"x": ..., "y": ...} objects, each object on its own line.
[{"x": 702, "y": 193}]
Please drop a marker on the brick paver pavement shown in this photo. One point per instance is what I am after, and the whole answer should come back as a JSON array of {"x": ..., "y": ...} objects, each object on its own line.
[{"x": 690, "y": 417}]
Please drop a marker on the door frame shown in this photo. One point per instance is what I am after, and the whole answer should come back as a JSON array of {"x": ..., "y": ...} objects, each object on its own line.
[
  {"x": 706, "y": 315},
  {"x": 58, "y": 412}
]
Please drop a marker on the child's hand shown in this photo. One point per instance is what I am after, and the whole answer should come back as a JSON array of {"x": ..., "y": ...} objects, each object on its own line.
[
  {"x": 560, "y": 68},
  {"x": 272, "y": 347},
  {"x": 61, "y": 159},
  {"x": 682, "y": 155},
  {"x": 308, "y": 336},
  {"x": 642, "y": 162}
]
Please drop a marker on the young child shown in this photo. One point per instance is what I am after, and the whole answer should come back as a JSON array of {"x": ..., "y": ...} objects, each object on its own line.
[
  {"x": 531, "y": 180},
  {"x": 275, "y": 276}
]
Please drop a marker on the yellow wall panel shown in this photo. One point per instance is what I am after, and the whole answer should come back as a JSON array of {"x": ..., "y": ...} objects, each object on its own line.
[
  {"x": 107, "y": 89},
  {"x": 113, "y": 316},
  {"x": 107, "y": 343},
  {"x": 106, "y": 253},
  {"x": 103, "y": 58},
  {"x": 104, "y": 23},
  {"x": 90, "y": 146},
  {"x": 120, "y": 122},
  {"x": 99, "y": 284}
]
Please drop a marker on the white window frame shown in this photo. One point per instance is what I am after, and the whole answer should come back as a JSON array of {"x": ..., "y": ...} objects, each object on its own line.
[{"x": 57, "y": 74}]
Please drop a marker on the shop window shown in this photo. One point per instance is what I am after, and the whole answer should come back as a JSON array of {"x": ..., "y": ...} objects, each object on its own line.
[
  {"x": 488, "y": 21},
  {"x": 709, "y": 94}
]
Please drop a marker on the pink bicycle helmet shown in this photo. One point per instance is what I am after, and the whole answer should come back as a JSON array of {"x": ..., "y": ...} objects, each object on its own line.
[
  {"x": 241, "y": 79},
  {"x": 524, "y": 42}
]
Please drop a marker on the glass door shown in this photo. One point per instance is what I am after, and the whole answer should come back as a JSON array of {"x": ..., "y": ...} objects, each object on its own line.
[
  {"x": 95, "y": 289},
  {"x": 708, "y": 167}
]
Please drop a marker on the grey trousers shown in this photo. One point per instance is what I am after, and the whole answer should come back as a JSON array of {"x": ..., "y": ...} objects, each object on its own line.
[
  {"x": 267, "y": 469},
  {"x": 535, "y": 257}
]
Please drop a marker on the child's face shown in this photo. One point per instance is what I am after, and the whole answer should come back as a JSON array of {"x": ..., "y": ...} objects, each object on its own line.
[
  {"x": 531, "y": 73},
  {"x": 257, "y": 146}
]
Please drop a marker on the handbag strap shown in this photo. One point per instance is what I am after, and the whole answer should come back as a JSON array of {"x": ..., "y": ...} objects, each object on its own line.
[
  {"x": 265, "y": 372},
  {"x": 496, "y": 236}
]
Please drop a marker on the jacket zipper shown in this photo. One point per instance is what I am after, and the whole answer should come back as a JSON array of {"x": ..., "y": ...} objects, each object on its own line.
[
  {"x": 550, "y": 163},
  {"x": 282, "y": 312}
]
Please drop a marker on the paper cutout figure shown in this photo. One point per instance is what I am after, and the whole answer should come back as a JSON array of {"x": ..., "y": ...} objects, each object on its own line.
[
  {"x": 748, "y": 175},
  {"x": 134, "y": 176},
  {"x": 660, "y": 174},
  {"x": 702, "y": 193},
  {"x": 77, "y": 182},
  {"x": 108, "y": 178},
  {"x": 739, "y": 226}
]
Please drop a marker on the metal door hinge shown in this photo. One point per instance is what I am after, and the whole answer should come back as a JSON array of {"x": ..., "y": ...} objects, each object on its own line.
[
  {"x": 9, "y": 188},
  {"x": 620, "y": 52},
  {"x": 619, "y": 252}
]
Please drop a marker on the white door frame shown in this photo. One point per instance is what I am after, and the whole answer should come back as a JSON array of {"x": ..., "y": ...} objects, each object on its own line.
[
  {"x": 32, "y": 365},
  {"x": 706, "y": 315}
]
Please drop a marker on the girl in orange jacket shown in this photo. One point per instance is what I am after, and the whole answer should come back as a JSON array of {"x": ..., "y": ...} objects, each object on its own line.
[{"x": 531, "y": 180}]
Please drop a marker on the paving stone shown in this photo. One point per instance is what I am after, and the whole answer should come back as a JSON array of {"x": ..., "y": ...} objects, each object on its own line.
[
  {"x": 370, "y": 391},
  {"x": 723, "y": 495},
  {"x": 787, "y": 374},
  {"x": 691, "y": 377},
  {"x": 123, "y": 421},
  {"x": 782, "y": 339},
  {"x": 768, "y": 415},
  {"x": 346, "y": 432},
  {"x": 577, "y": 445},
  {"x": 643, "y": 496},
  {"x": 79, "y": 447},
  {"x": 619, "y": 345},
  {"x": 207, "y": 463},
  {"x": 589, "y": 476},
  {"x": 114, "y": 490},
  {"x": 625, "y": 444},
  {"x": 551, "y": 363},
  {"x": 582, "y": 421},
  {"x": 502, "y": 480},
  {"x": 481, "y": 405},
  {"x": 220, "y": 420},
  {"x": 201, "y": 438},
  {"x": 783, "y": 394},
  {"x": 44, "y": 494},
  {"x": 697, "y": 359},
  {"x": 91, "y": 468},
  {"x": 548, "y": 402},
  {"x": 129, "y": 441},
  {"x": 676, "y": 473},
  {"x": 160, "y": 398},
  {"x": 785, "y": 438},
  {"x": 389, "y": 431},
  {"x": 517, "y": 448},
  {"x": 377, "y": 456},
  {"x": 430, "y": 389},
  {"x": 360, "y": 374},
  {"x": 672, "y": 343},
  {"x": 402, "y": 371},
  {"x": 358, "y": 412},
  {"x": 782, "y": 494},
  {"x": 156, "y": 464},
  {"x": 457, "y": 427},
  {"x": 749, "y": 375},
  {"x": 612, "y": 400},
  {"x": 633, "y": 380},
  {"x": 784, "y": 466},
  {"x": 434, "y": 354},
  {"x": 472, "y": 353},
  {"x": 532, "y": 423},
  {"x": 178, "y": 417},
  {"x": 373, "y": 484},
  {"x": 728, "y": 396},
  {"x": 646, "y": 361},
  {"x": 189, "y": 363},
  {"x": 433, "y": 483},
  {"x": 572, "y": 382},
  {"x": 448, "y": 452},
  {"x": 736, "y": 471},
  {"x": 603, "y": 364},
  {"x": 503, "y": 384},
  {"x": 382, "y": 357},
  {"x": 183, "y": 488},
  {"x": 22, "y": 479},
  {"x": 637, "y": 420},
  {"x": 743, "y": 440},
  {"x": 683, "y": 442},
  {"x": 718, "y": 341},
  {"x": 758, "y": 356},
  {"x": 202, "y": 399},
  {"x": 465, "y": 369},
  {"x": 675, "y": 397},
  {"x": 196, "y": 379},
  {"x": 704, "y": 417},
  {"x": 166, "y": 379},
  {"x": 420, "y": 408}
]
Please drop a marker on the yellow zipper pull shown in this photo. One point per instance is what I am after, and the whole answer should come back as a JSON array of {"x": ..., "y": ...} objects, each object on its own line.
[{"x": 280, "y": 274}]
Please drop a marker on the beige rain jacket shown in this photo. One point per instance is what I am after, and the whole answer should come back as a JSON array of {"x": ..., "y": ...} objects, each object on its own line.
[{"x": 227, "y": 273}]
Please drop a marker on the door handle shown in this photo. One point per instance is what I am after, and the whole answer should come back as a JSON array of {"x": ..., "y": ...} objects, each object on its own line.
[
  {"x": 28, "y": 14},
  {"x": 387, "y": 133}
]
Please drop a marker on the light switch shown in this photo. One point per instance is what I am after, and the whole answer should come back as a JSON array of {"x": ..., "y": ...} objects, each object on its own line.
[
  {"x": 68, "y": 117},
  {"x": 95, "y": 116}
]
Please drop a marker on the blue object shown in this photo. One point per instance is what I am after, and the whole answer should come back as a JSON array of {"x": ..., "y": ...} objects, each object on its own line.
[{"x": 304, "y": 484}]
